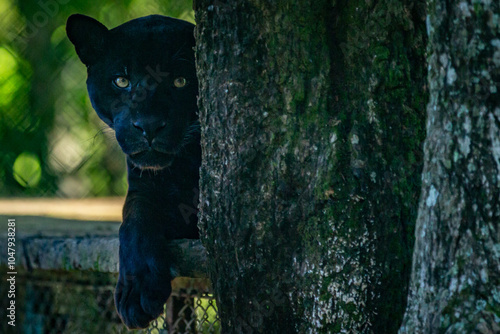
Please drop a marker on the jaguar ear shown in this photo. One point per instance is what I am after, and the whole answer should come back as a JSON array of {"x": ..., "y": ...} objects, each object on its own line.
[{"x": 87, "y": 35}]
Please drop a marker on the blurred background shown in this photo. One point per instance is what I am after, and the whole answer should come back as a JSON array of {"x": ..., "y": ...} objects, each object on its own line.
[{"x": 52, "y": 144}]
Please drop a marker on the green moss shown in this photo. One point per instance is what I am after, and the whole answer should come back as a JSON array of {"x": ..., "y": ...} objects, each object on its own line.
[{"x": 96, "y": 263}]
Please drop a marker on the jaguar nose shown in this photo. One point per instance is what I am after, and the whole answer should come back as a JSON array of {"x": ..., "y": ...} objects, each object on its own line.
[{"x": 149, "y": 129}]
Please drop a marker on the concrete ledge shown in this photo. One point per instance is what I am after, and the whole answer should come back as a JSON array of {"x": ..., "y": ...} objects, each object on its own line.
[
  {"x": 97, "y": 254},
  {"x": 50, "y": 243},
  {"x": 80, "y": 253}
]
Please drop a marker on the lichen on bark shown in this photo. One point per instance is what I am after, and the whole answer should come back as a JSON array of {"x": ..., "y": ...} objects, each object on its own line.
[{"x": 455, "y": 277}]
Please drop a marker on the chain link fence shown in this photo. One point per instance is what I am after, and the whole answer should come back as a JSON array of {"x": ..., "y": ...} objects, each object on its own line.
[{"x": 82, "y": 302}]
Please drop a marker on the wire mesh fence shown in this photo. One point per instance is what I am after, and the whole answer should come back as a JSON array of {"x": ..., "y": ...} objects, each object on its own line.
[{"x": 82, "y": 302}]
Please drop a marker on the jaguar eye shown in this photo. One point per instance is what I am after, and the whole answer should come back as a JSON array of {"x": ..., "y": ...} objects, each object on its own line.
[
  {"x": 121, "y": 82},
  {"x": 180, "y": 82}
]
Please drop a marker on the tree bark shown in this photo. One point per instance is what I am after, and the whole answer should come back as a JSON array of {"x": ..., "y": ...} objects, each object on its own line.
[
  {"x": 455, "y": 283},
  {"x": 312, "y": 120}
]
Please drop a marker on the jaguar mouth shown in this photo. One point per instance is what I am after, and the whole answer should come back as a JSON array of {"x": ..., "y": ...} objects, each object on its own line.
[{"x": 151, "y": 159}]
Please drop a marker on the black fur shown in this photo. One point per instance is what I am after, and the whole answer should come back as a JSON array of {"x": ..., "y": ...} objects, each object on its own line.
[{"x": 157, "y": 127}]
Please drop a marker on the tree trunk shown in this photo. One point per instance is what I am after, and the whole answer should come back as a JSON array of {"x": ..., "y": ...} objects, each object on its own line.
[
  {"x": 455, "y": 283},
  {"x": 312, "y": 120}
]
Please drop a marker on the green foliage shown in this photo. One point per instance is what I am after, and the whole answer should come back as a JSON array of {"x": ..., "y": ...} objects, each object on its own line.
[
  {"x": 44, "y": 108},
  {"x": 27, "y": 170},
  {"x": 207, "y": 311}
]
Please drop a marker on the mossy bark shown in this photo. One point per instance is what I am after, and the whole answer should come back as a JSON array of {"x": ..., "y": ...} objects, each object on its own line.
[
  {"x": 312, "y": 117},
  {"x": 455, "y": 284}
]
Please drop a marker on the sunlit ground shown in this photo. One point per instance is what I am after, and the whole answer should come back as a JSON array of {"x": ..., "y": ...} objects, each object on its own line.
[{"x": 95, "y": 209}]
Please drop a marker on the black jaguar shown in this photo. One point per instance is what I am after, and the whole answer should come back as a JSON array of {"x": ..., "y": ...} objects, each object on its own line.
[{"x": 142, "y": 83}]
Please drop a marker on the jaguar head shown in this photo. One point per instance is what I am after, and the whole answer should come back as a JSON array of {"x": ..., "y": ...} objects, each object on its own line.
[{"x": 142, "y": 83}]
